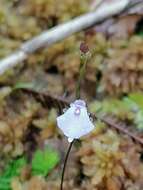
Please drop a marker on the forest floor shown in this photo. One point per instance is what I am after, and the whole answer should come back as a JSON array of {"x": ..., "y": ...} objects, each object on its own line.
[{"x": 32, "y": 149}]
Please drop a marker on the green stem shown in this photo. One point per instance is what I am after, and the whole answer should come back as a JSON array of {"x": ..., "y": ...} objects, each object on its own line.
[
  {"x": 82, "y": 69},
  {"x": 83, "y": 62}
]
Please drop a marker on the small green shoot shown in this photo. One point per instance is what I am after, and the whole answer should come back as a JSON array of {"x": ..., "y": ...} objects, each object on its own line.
[{"x": 44, "y": 161}]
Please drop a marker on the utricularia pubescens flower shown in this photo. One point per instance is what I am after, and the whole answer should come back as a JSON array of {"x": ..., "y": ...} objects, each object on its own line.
[{"x": 75, "y": 122}]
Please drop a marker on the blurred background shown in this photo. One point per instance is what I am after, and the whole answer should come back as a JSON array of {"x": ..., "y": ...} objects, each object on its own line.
[{"x": 32, "y": 149}]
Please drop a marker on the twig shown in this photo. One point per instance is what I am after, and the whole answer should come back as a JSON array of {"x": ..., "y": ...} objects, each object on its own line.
[
  {"x": 12, "y": 60},
  {"x": 119, "y": 126},
  {"x": 61, "y": 32},
  {"x": 134, "y": 7},
  {"x": 122, "y": 129}
]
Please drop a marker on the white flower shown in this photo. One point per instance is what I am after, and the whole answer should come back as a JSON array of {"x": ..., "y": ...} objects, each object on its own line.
[{"x": 75, "y": 122}]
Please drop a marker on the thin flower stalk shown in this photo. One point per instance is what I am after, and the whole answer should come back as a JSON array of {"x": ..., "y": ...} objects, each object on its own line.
[{"x": 75, "y": 122}]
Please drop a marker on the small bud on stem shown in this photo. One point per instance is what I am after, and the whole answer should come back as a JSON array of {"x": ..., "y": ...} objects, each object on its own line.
[
  {"x": 84, "y": 48},
  {"x": 83, "y": 61}
]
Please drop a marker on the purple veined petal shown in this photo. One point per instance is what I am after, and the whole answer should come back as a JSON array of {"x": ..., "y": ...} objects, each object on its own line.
[
  {"x": 75, "y": 122},
  {"x": 79, "y": 102}
]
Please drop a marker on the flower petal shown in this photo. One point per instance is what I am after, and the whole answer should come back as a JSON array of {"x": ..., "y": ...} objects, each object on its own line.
[{"x": 75, "y": 122}]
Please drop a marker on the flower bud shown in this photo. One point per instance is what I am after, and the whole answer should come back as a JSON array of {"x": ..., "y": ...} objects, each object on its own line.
[{"x": 84, "y": 48}]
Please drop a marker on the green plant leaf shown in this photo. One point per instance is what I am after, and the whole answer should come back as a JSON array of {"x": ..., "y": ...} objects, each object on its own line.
[
  {"x": 130, "y": 104},
  {"x": 24, "y": 85},
  {"x": 44, "y": 161},
  {"x": 137, "y": 98},
  {"x": 139, "y": 120},
  {"x": 141, "y": 34},
  {"x": 36, "y": 85},
  {"x": 13, "y": 169}
]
